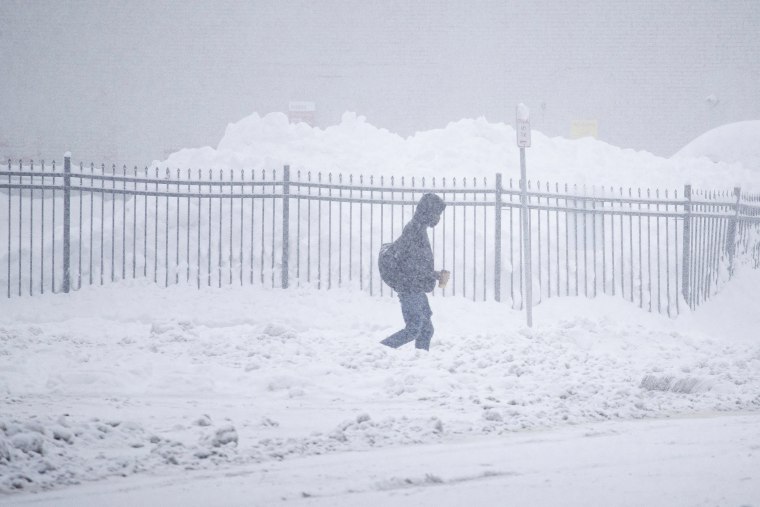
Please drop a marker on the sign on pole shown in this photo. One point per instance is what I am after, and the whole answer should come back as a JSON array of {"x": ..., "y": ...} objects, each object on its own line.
[{"x": 523, "y": 126}]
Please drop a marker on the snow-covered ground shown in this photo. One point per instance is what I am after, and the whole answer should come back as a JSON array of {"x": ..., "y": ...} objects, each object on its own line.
[
  {"x": 132, "y": 379},
  {"x": 131, "y": 393}
]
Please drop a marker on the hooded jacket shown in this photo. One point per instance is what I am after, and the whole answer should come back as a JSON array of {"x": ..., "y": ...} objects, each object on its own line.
[{"x": 409, "y": 265}]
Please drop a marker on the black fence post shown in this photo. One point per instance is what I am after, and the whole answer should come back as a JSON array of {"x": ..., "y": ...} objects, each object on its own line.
[
  {"x": 285, "y": 225},
  {"x": 686, "y": 263},
  {"x": 497, "y": 241},
  {"x": 731, "y": 232},
  {"x": 67, "y": 222}
]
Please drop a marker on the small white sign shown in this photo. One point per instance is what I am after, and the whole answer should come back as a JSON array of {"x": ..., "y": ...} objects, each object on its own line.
[
  {"x": 522, "y": 114},
  {"x": 523, "y": 133}
]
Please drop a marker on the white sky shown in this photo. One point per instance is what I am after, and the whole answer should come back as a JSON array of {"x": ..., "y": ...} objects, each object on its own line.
[{"x": 132, "y": 81}]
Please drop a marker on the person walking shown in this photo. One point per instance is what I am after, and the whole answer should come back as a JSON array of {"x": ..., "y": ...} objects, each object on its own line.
[{"x": 406, "y": 265}]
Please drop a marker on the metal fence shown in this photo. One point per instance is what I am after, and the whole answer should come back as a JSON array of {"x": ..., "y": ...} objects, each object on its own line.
[{"x": 71, "y": 227}]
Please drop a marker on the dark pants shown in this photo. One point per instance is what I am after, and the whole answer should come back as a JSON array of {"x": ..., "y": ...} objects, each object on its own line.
[{"x": 419, "y": 328}]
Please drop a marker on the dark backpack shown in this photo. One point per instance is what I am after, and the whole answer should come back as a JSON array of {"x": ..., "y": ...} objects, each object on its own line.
[{"x": 388, "y": 264}]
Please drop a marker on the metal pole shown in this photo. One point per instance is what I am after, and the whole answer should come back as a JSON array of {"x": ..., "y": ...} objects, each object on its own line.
[
  {"x": 731, "y": 233},
  {"x": 527, "y": 273},
  {"x": 66, "y": 222},
  {"x": 10, "y": 210},
  {"x": 686, "y": 251},
  {"x": 497, "y": 241},
  {"x": 285, "y": 225}
]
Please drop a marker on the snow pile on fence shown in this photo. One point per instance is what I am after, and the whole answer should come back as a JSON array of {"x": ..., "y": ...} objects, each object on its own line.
[
  {"x": 468, "y": 147},
  {"x": 150, "y": 379}
]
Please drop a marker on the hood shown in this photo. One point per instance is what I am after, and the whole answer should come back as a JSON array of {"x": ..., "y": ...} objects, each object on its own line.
[{"x": 429, "y": 210}]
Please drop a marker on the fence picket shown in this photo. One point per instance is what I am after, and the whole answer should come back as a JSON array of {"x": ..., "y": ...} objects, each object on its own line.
[
  {"x": 66, "y": 225},
  {"x": 351, "y": 228},
  {"x": 10, "y": 228},
  {"x": 263, "y": 224},
  {"x": 340, "y": 228},
  {"x": 361, "y": 235},
  {"x": 443, "y": 187},
  {"x": 497, "y": 239},
  {"x": 42, "y": 231},
  {"x": 232, "y": 227},
  {"x": 31, "y": 230},
  {"x": 371, "y": 228}
]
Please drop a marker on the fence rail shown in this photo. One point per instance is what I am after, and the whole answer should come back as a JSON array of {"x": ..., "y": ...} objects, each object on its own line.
[{"x": 87, "y": 225}]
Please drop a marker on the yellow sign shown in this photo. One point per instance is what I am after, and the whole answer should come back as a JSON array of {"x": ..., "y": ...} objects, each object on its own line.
[{"x": 584, "y": 128}]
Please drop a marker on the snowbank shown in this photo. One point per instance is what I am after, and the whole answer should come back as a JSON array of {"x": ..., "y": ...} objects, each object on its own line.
[
  {"x": 735, "y": 143},
  {"x": 468, "y": 147}
]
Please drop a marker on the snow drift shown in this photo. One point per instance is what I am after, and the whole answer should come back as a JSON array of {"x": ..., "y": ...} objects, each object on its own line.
[
  {"x": 468, "y": 147},
  {"x": 735, "y": 143}
]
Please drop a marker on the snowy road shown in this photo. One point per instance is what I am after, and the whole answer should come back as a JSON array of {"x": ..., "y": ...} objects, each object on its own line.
[{"x": 713, "y": 460}]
